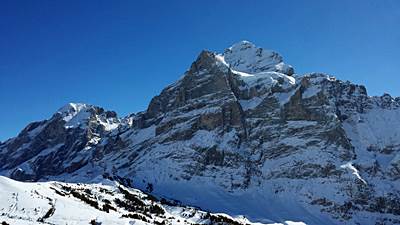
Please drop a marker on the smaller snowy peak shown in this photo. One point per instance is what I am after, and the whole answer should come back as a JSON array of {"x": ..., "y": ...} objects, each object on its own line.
[
  {"x": 72, "y": 108},
  {"x": 79, "y": 114},
  {"x": 246, "y": 57}
]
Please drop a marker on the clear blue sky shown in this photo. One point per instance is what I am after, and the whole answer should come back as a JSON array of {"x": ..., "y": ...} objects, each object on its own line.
[{"x": 118, "y": 54}]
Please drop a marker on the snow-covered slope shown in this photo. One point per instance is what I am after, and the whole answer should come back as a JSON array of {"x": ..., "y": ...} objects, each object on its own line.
[
  {"x": 238, "y": 133},
  {"x": 110, "y": 203}
]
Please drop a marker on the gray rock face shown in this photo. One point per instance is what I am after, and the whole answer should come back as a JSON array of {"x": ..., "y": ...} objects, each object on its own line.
[
  {"x": 240, "y": 124},
  {"x": 55, "y": 146}
]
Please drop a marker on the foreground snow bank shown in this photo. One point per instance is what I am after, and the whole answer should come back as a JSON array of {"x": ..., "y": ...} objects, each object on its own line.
[{"x": 110, "y": 203}]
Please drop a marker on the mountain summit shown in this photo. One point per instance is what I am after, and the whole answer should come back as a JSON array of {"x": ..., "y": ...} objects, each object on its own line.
[
  {"x": 245, "y": 57},
  {"x": 239, "y": 133}
]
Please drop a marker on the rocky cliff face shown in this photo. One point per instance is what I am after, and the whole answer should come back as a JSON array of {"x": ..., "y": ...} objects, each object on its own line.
[
  {"x": 58, "y": 145},
  {"x": 241, "y": 133}
]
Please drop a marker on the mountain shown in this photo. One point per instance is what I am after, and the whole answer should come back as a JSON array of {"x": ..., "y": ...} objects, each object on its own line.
[{"x": 240, "y": 133}]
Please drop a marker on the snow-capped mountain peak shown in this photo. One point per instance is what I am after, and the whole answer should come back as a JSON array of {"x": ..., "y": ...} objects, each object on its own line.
[
  {"x": 79, "y": 114},
  {"x": 246, "y": 57},
  {"x": 72, "y": 108},
  {"x": 75, "y": 114}
]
